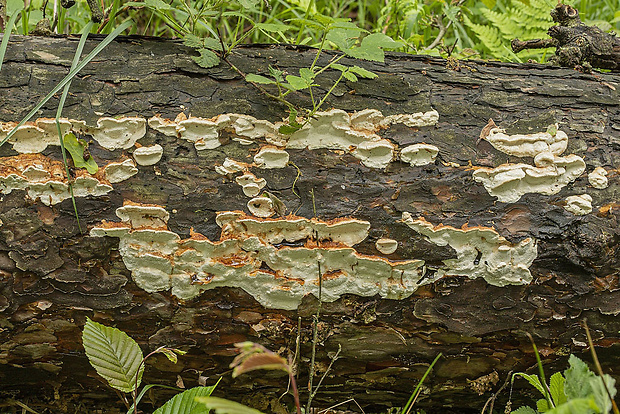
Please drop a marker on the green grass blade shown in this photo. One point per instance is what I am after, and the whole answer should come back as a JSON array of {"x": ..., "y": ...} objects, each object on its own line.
[
  {"x": 70, "y": 76},
  {"x": 61, "y": 104},
  {"x": 409, "y": 404},
  {"x": 114, "y": 355},
  {"x": 7, "y": 34}
]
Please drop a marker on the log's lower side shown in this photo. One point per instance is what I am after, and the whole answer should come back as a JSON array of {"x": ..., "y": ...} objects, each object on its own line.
[{"x": 421, "y": 225}]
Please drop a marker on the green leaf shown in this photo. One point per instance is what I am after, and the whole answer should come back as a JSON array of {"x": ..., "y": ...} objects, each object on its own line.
[
  {"x": 542, "y": 405},
  {"x": 556, "y": 387},
  {"x": 258, "y": 79},
  {"x": 296, "y": 83},
  {"x": 223, "y": 406},
  {"x": 343, "y": 39},
  {"x": 288, "y": 129},
  {"x": 170, "y": 353},
  {"x": 248, "y": 4},
  {"x": 363, "y": 72},
  {"x": 577, "y": 406},
  {"x": 273, "y": 27},
  {"x": 600, "y": 394},
  {"x": 213, "y": 44},
  {"x": 307, "y": 75},
  {"x": 194, "y": 41},
  {"x": 524, "y": 410},
  {"x": 185, "y": 402},
  {"x": 77, "y": 151},
  {"x": 277, "y": 74},
  {"x": 114, "y": 355},
  {"x": 207, "y": 58},
  {"x": 372, "y": 47},
  {"x": 349, "y": 76},
  {"x": 534, "y": 380},
  {"x": 577, "y": 376}
]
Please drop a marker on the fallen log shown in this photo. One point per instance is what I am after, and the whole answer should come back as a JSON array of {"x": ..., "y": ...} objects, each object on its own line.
[{"x": 425, "y": 227}]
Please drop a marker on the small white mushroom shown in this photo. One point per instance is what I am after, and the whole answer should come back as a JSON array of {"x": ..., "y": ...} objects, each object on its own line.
[
  {"x": 579, "y": 204},
  {"x": 598, "y": 178},
  {"x": 116, "y": 172},
  {"x": 386, "y": 246},
  {"x": 251, "y": 185},
  {"x": 148, "y": 155},
  {"x": 419, "y": 154},
  {"x": 261, "y": 207},
  {"x": 271, "y": 157}
]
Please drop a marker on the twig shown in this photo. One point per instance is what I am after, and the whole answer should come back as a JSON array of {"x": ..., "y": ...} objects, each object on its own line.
[{"x": 492, "y": 399}]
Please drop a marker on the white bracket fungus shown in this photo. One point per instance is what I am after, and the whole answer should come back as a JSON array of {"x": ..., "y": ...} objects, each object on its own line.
[
  {"x": 250, "y": 184},
  {"x": 386, "y": 246},
  {"x": 143, "y": 215},
  {"x": 271, "y": 157},
  {"x": 528, "y": 145},
  {"x": 277, "y": 276},
  {"x": 112, "y": 133},
  {"x": 419, "y": 154},
  {"x": 148, "y": 155},
  {"x": 231, "y": 166},
  {"x": 598, "y": 178},
  {"x": 261, "y": 207},
  {"x": 481, "y": 252},
  {"x": 509, "y": 182},
  {"x": 116, "y": 172},
  {"x": 579, "y": 204},
  {"x": 418, "y": 119},
  {"x": 34, "y": 137},
  {"x": 45, "y": 179}
]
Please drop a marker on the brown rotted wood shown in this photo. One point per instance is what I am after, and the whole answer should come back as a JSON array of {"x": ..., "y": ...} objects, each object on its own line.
[{"x": 53, "y": 277}]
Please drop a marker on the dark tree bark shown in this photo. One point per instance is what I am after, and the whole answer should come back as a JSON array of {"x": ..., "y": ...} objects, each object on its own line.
[{"x": 519, "y": 257}]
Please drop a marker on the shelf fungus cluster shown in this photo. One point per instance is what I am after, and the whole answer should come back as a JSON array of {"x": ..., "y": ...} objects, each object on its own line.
[
  {"x": 356, "y": 133},
  {"x": 481, "y": 252},
  {"x": 277, "y": 261},
  {"x": 549, "y": 174}
]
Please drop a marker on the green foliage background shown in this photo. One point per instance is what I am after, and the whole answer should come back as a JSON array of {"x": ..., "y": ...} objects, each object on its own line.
[{"x": 478, "y": 29}]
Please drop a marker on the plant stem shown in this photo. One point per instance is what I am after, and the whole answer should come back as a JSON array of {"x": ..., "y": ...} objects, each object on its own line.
[{"x": 597, "y": 364}]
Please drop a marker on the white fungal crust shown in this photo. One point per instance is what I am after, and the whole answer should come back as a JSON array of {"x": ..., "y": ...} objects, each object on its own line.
[
  {"x": 250, "y": 184},
  {"x": 231, "y": 166},
  {"x": 509, "y": 182},
  {"x": 419, "y": 154},
  {"x": 116, "y": 172},
  {"x": 112, "y": 133},
  {"x": 336, "y": 129},
  {"x": 261, "y": 207},
  {"x": 529, "y": 145},
  {"x": 270, "y": 156},
  {"x": 143, "y": 215},
  {"x": 45, "y": 179},
  {"x": 277, "y": 276},
  {"x": 386, "y": 246},
  {"x": 148, "y": 155},
  {"x": 34, "y": 137},
  {"x": 481, "y": 252},
  {"x": 344, "y": 231},
  {"x": 579, "y": 204},
  {"x": 598, "y": 178}
]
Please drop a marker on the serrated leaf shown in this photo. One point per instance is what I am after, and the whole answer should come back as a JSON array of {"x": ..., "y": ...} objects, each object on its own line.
[
  {"x": 194, "y": 41},
  {"x": 343, "y": 39},
  {"x": 307, "y": 74},
  {"x": 363, "y": 72},
  {"x": 223, "y": 406},
  {"x": 277, "y": 74},
  {"x": 76, "y": 149},
  {"x": 372, "y": 47},
  {"x": 542, "y": 405},
  {"x": 600, "y": 394},
  {"x": 248, "y": 4},
  {"x": 114, "y": 355},
  {"x": 207, "y": 58},
  {"x": 213, "y": 44},
  {"x": 158, "y": 5},
  {"x": 185, "y": 402},
  {"x": 258, "y": 79},
  {"x": 577, "y": 406},
  {"x": 556, "y": 388},
  {"x": 577, "y": 376},
  {"x": 524, "y": 410},
  {"x": 533, "y": 380},
  {"x": 273, "y": 27},
  {"x": 296, "y": 83},
  {"x": 349, "y": 76}
]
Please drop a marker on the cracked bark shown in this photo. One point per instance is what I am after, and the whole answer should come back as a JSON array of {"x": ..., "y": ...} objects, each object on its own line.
[{"x": 53, "y": 277}]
